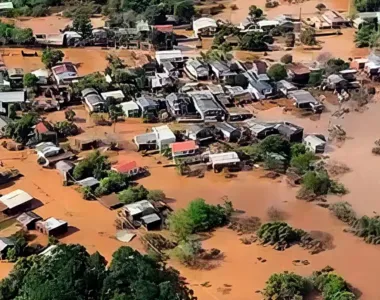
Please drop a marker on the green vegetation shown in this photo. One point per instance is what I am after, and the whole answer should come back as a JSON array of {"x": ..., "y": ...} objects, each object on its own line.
[
  {"x": 286, "y": 286},
  {"x": 343, "y": 211},
  {"x": 255, "y": 12},
  {"x": 367, "y": 5},
  {"x": 9, "y": 34},
  {"x": 366, "y": 36},
  {"x": 335, "y": 65},
  {"x": 290, "y": 286},
  {"x": 316, "y": 77},
  {"x": 72, "y": 273},
  {"x": 186, "y": 252},
  {"x": 198, "y": 217},
  {"x": 287, "y": 59},
  {"x": 302, "y": 162},
  {"x": 70, "y": 115},
  {"x": 133, "y": 194},
  {"x": 156, "y": 195},
  {"x": 279, "y": 234},
  {"x": 66, "y": 128},
  {"x": 82, "y": 24},
  {"x": 307, "y": 37},
  {"x": 368, "y": 228},
  {"x": 19, "y": 130},
  {"x": 113, "y": 183},
  {"x": 50, "y": 57},
  {"x": 115, "y": 112},
  {"x": 255, "y": 41},
  {"x": 184, "y": 11},
  {"x": 31, "y": 8},
  {"x": 331, "y": 285},
  {"x": 94, "y": 165},
  {"x": 94, "y": 80},
  {"x": 275, "y": 144},
  {"x": 30, "y": 80},
  {"x": 277, "y": 72},
  {"x": 12, "y": 114}
]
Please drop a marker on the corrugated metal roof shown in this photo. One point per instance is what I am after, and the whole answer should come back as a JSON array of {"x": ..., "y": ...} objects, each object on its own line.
[
  {"x": 12, "y": 97},
  {"x": 15, "y": 198},
  {"x": 125, "y": 167},
  {"x": 6, "y": 5},
  {"x": 138, "y": 207},
  {"x": 52, "y": 223},
  {"x": 4, "y": 243},
  {"x": 184, "y": 146}
]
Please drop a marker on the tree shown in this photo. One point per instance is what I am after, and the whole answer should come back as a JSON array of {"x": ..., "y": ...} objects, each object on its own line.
[
  {"x": 365, "y": 36},
  {"x": 30, "y": 80},
  {"x": 19, "y": 130},
  {"x": 255, "y": 12},
  {"x": 95, "y": 80},
  {"x": 287, "y": 59},
  {"x": 156, "y": 195},
  {"x": 184, "y": 11},
  {"x": 318, "y": 183},
  {"x": 50, "y": 57},
  {"x": 286, "y": 286},
  {"x": 275, "y": 144},
  {"x": 335, "y": 65},
  {"x": 113, "y": 183},
  {"x": 255, "y": 41},
  {"x": 94, "y": 165},
  {"x": 114, "y": 113},
  {"x": 277, "y": 72},
  {"x": 315, "y": 78},
  {"x": 297, "y": 149},
  {"x": 367, "y": 5},
  {"x": 155, "y": 14},
  {"x": 21, "y": 36},
  {"x": 302, "y": 162},
  {"x": 65, "y": 129},
  {"x": 307, "y": 37},
  {"x": 181, "y": 225},
  {"x": 343, "y": 211},
  {"x": 70, "y": 115},
  {"x": 133, "y": 194},
  {"x": 82, "y": 24},
  {"x": 187, "y": 251},
  {"x": 12, "y": 111}
]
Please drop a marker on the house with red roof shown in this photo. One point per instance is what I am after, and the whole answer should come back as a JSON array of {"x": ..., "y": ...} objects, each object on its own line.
[
  {"x": 129, "y": 168},
  {"x": 44, "y": 132},
  {"x": 181, "y": 149}
]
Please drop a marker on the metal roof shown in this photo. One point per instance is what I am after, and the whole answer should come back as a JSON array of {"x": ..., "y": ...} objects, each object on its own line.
[
  {"x": 5, "y": 242},
  {"x": 203, "y": 23},
  {"x": 184, "y": 146},
  {"x": 164, "y": 133},
  {"x": 224, "y": 158},
  {"x": 27, "y": 217},
  {"x": 138, "y": 207},
  {"x": 116, "y": 94},
  {"x": 64, "y": 166},
  {"x": 52, "y": 223},
  {"x": 88, "y": 182},
  {"x": 302, "y": 96},
  {"x": 6, "y": 5},
  {"x": 147, "y": 101},
  {"x": 148, "y": 219},
  {"x": 130, "y": 105},
  {"x": 204, "y": 100},
  {"x": 146, "y": 138},
  {"x": 15, "y": 198},
  {"x": 227, "y": 127},
  {"x": 314, "y": 140},
  {"x": 12, "y": 97}
]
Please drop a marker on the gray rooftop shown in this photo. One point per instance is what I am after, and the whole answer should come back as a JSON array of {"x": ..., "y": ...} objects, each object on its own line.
[
  {"x": 146, "y": 101},
  {"x": 5, "y": 242},
  {"x": 302, "y": 96},
  {"x": 146, "y": 138},
  {"x": 27, "y": 217},
  {"x": 204, "y": 100},
  {"x": 148, "y": 219},
  {"x": 88, "y": 182},
  {"x": 224, "y": 126},
  {"x": 12, "y": 97}
]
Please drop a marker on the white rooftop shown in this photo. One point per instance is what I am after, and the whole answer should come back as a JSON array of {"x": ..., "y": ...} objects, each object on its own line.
[
  {"x": 116, "y": 94},
  {"x": 15, "y": 198},
  {"x": 163, "y": 132},
  {"x": 224, "y": 158},
  {"x": 138, "y": 207},
  {"x": 130, "y": 105},
  {"x": 53, "y": 223}
]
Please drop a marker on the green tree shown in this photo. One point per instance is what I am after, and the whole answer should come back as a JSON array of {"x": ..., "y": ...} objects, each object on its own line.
[
  {"x": 315, "y": 78},
  {"x": 155, "y": 14},
  {"x": 287, "y": 59},
  {"x": 255, "y": 41},
  {"x": 113, "y": 183},
  {"x": 184, "y": 11},
  {"x": 365, "y": 36},
  {"x": 255, "y": 12},
  {"x": 302, "y": 162},
  {"x": 181, "y": 225},
  {"x": 65, "y": 129},
  {"x": 286, "y": 286},
  {"x": 297, "y": 149},
  {"x": 50, "y": 57},
  {"x": 21, "y": 36},
  {"x": 19, "y": 130},
  {"x": 277, "y": 72},
  {"x": 318, "y": 183},
  {"x": 307, "y": 37},
  {"x": 12, "y": 114},
  {"x": 30, "y": 80},
  {"x": 156, "y": 195},
  {"x": 133, "y": 194},
  {"x": 94, "y": 165},
  {"x": 95, "y": 80},
  {"x": 187, "y": 251},
  {"x": 82, "y": 24},
  {"x": 275, "y": 144},
  {"x": 335, "y": 65},
  {"x": 70, "y": 115},
  {"x": 114, "y": 113},
  {"x": 367, "y": 5}
]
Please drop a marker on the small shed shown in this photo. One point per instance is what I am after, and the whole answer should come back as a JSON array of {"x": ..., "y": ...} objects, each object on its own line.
[
  {"x": 65, "y": 168},
  {"x": 52, "y": 226},
  {"x": 137, "y": 210},
  {"x": 15, "y": 202},
  {"x": 28, "y": 220},
  {"x": 285, "y": 87},
  {"x": 221, "y": 160},
  {"x": 89, "y": 182},
  {"x": 229, "y": 132},
  {"x": 5, "y": 244},
  {"x": 151, "y": 222},
  {"x": 315, "y": 143},
  {"x": 131, "y": 109}
]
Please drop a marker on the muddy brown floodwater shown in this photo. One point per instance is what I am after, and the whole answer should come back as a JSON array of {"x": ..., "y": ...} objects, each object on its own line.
[{"x": 240, "y": 274}]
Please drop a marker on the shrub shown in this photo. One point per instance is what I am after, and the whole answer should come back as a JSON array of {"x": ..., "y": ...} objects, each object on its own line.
[
  {"x": 315, "y": 78},
  {"x": 133, "y": 194},
  {"x": 286, "y": 286},
  {"x": 156, "y": 195},
  {"x": 70, "y": 114},
  {"x": 30, "y": 80},
  {"x": 87, "y": 193},
  {"x": 302, "y": 162},
  {"x": 113, "y": 183},
  {"x": 320, "y": 6},
  {"x": 65, "y": 129},
  {"x": 187, "y": 251},
  {"x": 368, "y": 228},
  {"x": 94, "y": 165},
  {"x": 275, "y": 214},
  {"x": 287, "y": 59},
  {"x": 317, "y": 182},
  {"x": 297, "y": 149},
  {"x": 307, "y": 37},
  {"x": 50, "y": 57},
  {"x": 275, "y": 144},
  {"x": 277, "y": 72},
  {"x": 343, "y": 211}
]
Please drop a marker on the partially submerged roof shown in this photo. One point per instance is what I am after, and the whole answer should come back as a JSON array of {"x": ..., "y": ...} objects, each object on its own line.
[
  {"x": 288, "y": 128},
  {"x": 6, "y": 5},
  {"x": 53, "y": 223},
  {"x": 130, "y": 105},
  {"x": 298, "y": 68},
  {"x": 201, "y": 23},
  {"x": 110, "y": 201},
  {"x": 48, "y": 251},
  {"x": 333, "y": 16},
  {"x": 41, "y": 127},
  {"x": 204, "y": 100},
  {"x": 169, "y": 55},
  {"x": 224, "y": 158},
  {"x": 314, "y": 140},
  {"x": 256, "y": 127},
  {"x": 226, "y": 127},
  {"x": 65, "y": 67},
  {"x": 138, "y": 207},
  {"x": 146, "y": 138},
  {"x": 264, "y": 23},
  {"x": 16, "y": 72},
  {"x": 302, "y": 96},
  {"x": 88, "y": 182},
  {"x": 115, "y": 94},
  {"x": 164, "y": 132},
  {"x": 151, "y": 218},
  {"x": 5, "y": 242},
  {"x": 12, "y": 97},
  {"x": 64, "y": 166},
  {"x": 15, "y": 198},
  {"x": 28, "y": 217},
  {"x": 147, "y": 101},
  {"x": 184, "y": 146},
  {"x": 286, "y": 84},
  {"x": 125, "y": 167}
]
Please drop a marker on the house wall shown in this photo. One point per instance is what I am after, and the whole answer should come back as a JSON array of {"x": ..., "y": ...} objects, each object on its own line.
[{"x": 59, "y": 230}]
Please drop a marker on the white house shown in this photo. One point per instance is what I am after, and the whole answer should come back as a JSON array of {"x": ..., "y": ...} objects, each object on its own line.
[
  {"x": 315, "y": 143},
  {"x": 131, "y": 109},
  {"x": 164, "y": 136},
  {"x": 204, "y": 27}
]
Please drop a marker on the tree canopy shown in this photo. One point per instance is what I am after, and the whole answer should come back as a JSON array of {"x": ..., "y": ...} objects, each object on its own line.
[
  {"x": 286, "y": 286},
  {"x": 82, "y": 24},
  {"x": 30, "y": 80},
  {"x": 255, "y": 41},
  {"x": 72, "y": 273},
  {"x": 19, "y": 130},
  {"x": 94, "y": 165},
  {"x": 50, "y": 57},
  {"x": 95, "y": 80},
  {"x": 277, "y": 72}
]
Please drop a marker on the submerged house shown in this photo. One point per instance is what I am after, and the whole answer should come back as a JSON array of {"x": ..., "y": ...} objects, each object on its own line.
[
  {"x": 28, "y": 220},
  {"x": 260, "y": 130},
  {"x": 130, "y": 109},
  {"x": 200, "y": 133},
  {"x": 178, "y": 104},
  {"x": 181, "y": 149},
  {"x": 15, "y": 202},
  {"x": 221, "y": 70},
  {"x": 298, "y": 72},
  {"x": 291, "y": 132},
  {"x": 52, "y": 227},
  {"x": 315, "y": 143},
  {"x": 64, "y": 72},
  {"x": 229, "y": 132},
  {"x": 304, "y": 100},
  {"x": 129, "y": 168},
  {"x": 160, "y": 138},
  {"x": 5, "y": 245},
  {"x": 207, "y": 106},
  {"x": 196, "y": 70},
  {"x": 204, "y": 27},
  {"x": 175, "y": 57},
  {"x": 148, "y": 105},
  {"x": 93, "y": 101},
  {"x": 227, "y": 159}
]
